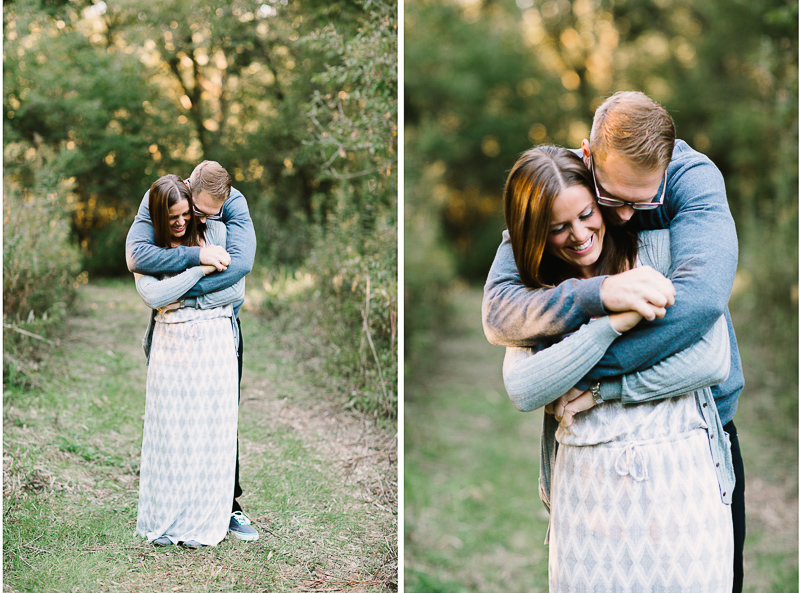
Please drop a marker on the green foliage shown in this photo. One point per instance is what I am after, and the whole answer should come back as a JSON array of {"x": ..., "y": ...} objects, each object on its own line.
[
  {"x": 355, "y": 309},
  {"x": 91, "y": 105},
  {"x": 429, "y": 264},
  {"x": 351, "y": 145},
  {"x": 40, "y": 267},
  {"x": 353, "y": 115},
  {"x": 474, "y": 103},
  {"x": 128, "y": 90}
]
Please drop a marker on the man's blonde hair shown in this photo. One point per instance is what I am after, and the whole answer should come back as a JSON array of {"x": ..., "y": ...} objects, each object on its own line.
[
  {"x": 632, "y": 125},
  {"x": 211, "y": 177}
]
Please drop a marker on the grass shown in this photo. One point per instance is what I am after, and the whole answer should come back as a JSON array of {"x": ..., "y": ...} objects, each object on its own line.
[
  {"x": 473, "y": 519},
  {"x": 319, "y": 482}
]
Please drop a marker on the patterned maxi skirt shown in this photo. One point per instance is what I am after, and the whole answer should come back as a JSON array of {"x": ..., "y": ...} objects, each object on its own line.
[
  {"x": 189, "y": 441},
  {"x": 640, "y": 516}
]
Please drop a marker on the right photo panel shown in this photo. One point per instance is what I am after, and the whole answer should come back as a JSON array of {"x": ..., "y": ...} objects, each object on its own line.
[{"x": 600, "y": 296}]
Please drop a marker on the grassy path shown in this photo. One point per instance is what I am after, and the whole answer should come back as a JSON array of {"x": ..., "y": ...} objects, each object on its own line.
[
  {"x": 320, "y": 484},
  {"x": 473, "y": 519}
]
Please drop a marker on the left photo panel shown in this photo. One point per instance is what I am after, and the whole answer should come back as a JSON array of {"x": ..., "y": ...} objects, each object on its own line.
[{"x": 200, "y": 295}]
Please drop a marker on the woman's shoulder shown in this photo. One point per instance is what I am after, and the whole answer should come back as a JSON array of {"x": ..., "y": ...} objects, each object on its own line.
[
  {"x": 654, "y": 250},
  {"x": 215, "y": 232},
  {"x": 657, "y": 237}
]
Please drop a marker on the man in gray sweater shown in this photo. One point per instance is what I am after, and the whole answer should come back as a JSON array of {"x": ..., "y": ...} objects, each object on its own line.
[
  {"x": 649, "y": 180},
  {"x": 214, "y": 199}
]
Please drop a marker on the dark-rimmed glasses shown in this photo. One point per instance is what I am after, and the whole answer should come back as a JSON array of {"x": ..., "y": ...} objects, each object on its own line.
[
  {"x": 615, "y": 203},
  {"x": 201, "y": 214}
]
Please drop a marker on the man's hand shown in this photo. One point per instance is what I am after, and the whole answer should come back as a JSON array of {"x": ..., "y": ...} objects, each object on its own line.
[
  {"x": 214, "y": 255},
  {"x": 643, "y": 290}
]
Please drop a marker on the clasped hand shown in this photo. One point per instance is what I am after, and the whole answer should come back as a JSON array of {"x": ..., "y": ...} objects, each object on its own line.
[
  {"x": 642, "y": 289},
  {"x": 214, "y": 258}
]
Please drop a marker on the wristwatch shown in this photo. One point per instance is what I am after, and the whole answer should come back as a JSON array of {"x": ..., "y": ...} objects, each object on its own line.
[{"x": 598, "y": 399}]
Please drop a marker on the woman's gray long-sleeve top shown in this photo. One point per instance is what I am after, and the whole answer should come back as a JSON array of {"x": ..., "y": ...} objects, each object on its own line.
[
  {"x": 158, "y": 293},
  {"x": 535, "y": 377}
]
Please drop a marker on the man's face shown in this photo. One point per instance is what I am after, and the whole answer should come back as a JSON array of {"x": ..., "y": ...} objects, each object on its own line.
[
  {"x": 205, "y": 206},
  {"x": 618, "y": 178}
]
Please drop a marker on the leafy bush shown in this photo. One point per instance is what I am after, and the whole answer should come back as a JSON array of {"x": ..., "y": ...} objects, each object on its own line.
[
  {"x": 355, "y": 309},
  {"x": 280, "y": 242},
  {"x": 350, "y": 149},
  {"x": 40, "y": 265},
  {"x": 764, "y": 311}
]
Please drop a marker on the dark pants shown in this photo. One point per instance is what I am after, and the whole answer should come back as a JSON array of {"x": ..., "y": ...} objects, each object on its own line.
[
  {"x": 237, "y": 489},
  {"x": 737, "y": 508}
]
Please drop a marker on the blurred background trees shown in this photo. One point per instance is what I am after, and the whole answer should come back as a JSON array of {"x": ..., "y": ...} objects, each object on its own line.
[
  {"x": 297, "y": 100},
  {"x": 487, "y": 79}
]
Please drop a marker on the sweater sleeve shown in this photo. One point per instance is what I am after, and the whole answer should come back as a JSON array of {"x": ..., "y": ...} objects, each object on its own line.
[
  {"x": 535, "y": 378},
  {"x": 158, "y": 293},
  {"x": 516, "y": 315},
  {"x": 703, "y": 364},
  {"x": 224, "y": 296}
]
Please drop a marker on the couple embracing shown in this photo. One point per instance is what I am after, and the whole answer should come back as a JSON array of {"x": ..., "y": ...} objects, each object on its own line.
[
  {"x": 610, "y": 292},
  {"x": 190, "y": 247}
]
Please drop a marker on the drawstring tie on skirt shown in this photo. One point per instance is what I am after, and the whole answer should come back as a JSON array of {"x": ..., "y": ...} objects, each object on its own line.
[
  {"x": 194, "y": 331},
  {"x": 631, "y": 462}
]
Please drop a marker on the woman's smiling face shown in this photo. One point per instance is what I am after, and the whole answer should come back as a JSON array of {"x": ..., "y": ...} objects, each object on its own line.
[
  {"x": 179, "y": 217},
  {"x": 576, "y": 229}
]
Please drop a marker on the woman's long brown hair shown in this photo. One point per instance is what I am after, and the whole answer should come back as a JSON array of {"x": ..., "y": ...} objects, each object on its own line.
[
  {"x": 533, "y": 184},
  {"x": 165, "y": 192}
]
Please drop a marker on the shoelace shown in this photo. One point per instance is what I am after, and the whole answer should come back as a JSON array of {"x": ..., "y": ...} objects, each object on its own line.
[{"x": 240, "y": 518}]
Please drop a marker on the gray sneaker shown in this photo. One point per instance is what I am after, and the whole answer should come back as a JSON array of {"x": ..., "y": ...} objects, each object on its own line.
[
  {"x": 162, "y": 541},
  {"x": 240, "y": 527},
  {"x": 191, "y": 544}
]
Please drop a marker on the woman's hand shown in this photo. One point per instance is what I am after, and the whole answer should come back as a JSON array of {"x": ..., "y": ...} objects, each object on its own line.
[
  {"x": 569, "y": 404},
  {"x": 214, "y": 255},
  {"x": 622, "y": 322},
  {"x": 207, "y": 269},
  {"x": 583, "y": 402}
]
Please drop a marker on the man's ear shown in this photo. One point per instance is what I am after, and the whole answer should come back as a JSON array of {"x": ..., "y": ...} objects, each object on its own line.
[{"x": 586, "y": 151}]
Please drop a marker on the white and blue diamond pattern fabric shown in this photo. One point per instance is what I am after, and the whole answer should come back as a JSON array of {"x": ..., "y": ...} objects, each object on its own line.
[
  {"x": 191, "y": 414},
  {"x": 636, "y": 505}
]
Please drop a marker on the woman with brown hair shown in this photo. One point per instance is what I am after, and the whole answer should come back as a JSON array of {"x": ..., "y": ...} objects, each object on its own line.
[
  {"x": 638, "y": 484},
  {"x": 191, "y": 412}
]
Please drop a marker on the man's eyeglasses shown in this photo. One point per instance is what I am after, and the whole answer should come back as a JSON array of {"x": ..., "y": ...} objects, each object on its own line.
[
  {"x": 615, "y": 203},
  {"x": 200, "y": 213}
]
